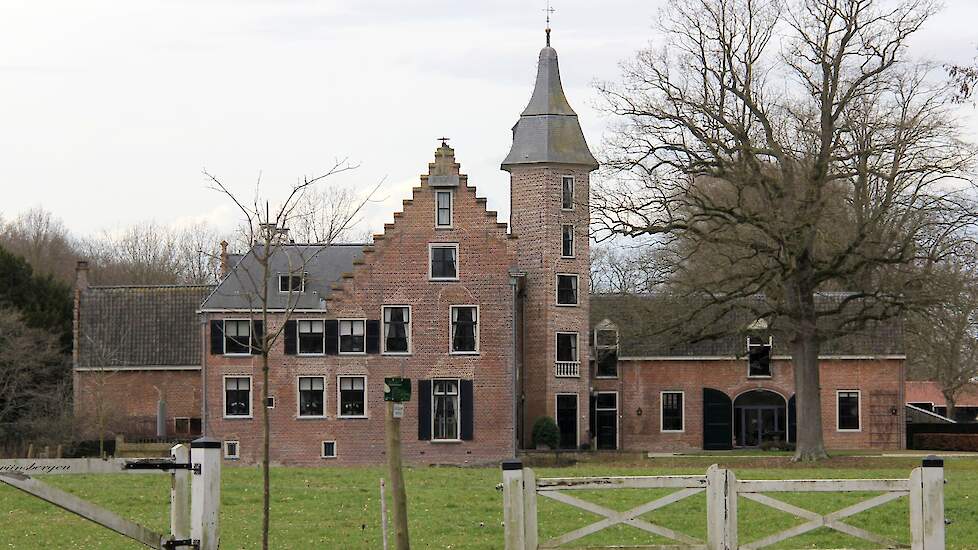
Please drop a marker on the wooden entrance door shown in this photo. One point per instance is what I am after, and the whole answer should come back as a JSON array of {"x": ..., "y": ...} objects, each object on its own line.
[{"x": 717, "y": 420}]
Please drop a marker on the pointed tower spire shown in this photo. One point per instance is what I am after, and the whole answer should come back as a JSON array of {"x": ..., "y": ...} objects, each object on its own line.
[{"x": 548, "y": 130}]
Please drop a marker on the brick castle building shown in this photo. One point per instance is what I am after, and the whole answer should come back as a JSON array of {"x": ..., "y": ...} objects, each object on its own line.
[{"x": 494, "y": 326}]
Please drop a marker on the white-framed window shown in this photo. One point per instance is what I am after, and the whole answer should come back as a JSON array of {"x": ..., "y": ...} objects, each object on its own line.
[
  {"x": 328, "y": 449},
  {"x": 312, "y": 396},
  {"x": 397, "y": 330},
  {"x": 848, "y": 411},
  {"x": 351, "y": 400},
  {"x": 671, "y": 411},
  {"x": 443, "y": 261},
  {"x": 606, "y": 353},
  {"x": 232, "y": 449},
  {"x": 464, "y": 329},
  {"x": 270, "y": 402},
  {"x": 291, "y": 282},
  {"x": 443, "y": 208},
  {"x": 567, "y": 289},
  {"x": 567, "y": 241},
  {"x": 759, "y": 357},
  {"x": 567, "y": 193},
  {"x": 237, "y": 397},
  {"x": 445, "y": 410},
  {"x": 237, "y": 337},
  {"x": 312, "y": 336},
  {"x": 567, "y": 347},
  {"x": 352, "y": 336}
]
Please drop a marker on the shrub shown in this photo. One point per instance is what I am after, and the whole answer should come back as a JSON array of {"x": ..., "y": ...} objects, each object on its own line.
[
  {"x": 946, "y": 442},
  {"x": 545, "y": 433}
]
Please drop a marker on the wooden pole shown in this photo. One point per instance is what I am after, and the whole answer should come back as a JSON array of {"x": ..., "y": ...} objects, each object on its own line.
[
  {"x": 513, "y": 501},
  {"x": 932, "y": 496},
  {"x": 383, "y": 513},
  {"x": 205, "y": 493},
  {"x": 396, "y": 475},
  {"x": 180, "y": 494}
]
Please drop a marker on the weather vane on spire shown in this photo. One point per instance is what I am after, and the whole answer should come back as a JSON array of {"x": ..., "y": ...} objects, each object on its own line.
[{"x": 549, "y": 10}]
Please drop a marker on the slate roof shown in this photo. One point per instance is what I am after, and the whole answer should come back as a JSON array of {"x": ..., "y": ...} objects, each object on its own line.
[
  {"x": 643, "y": 323},
  {"x": 548, "y": 129},
  {"x": 323, "y": 266},
  {"x": 140, "y": 326}
]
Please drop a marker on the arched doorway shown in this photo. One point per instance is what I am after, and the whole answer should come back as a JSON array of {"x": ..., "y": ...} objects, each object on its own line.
[{"x": 759, "y": 415}]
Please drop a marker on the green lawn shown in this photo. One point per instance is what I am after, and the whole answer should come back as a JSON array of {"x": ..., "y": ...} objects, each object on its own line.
[{"x": 460, "y": 508}]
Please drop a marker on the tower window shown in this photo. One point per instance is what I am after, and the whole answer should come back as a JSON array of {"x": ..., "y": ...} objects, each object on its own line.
[
  {"x": 566, "y": 290},
  {"x": 443, "y": 208},
  {"x": 444, "y": 262},
  {"x": 567, "y": 347},
  {"x": 567, "y": 241},
  {"x": 567, "y": 193}
]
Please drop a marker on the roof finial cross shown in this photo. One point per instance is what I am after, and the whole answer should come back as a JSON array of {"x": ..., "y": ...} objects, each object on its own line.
[
  {"x": 549, "y": 11},
  {"x": 444, "y": 141}
]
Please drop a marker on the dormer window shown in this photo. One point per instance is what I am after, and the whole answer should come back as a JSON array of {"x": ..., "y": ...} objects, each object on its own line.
[
  {"x": 443, "y": 209},
  {"x": 606, "y": 352},
  {"x": 759, "y": 357},
  {"x": 291, "y": 282},
  {"x": 567, "y": 193}
]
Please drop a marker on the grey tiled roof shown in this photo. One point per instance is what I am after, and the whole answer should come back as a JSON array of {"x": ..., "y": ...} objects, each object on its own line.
[
  {"x": 548, "y": 129},
  {"x": 323, "y": 265},
  {"x": 644, "y": 326},
  {"x": 140, "y": 326}
]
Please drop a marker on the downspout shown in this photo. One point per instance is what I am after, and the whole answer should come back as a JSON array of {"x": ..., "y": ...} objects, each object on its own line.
[
  {"x": 203, "y": 375},
  {"x": 515, "y": 358}
]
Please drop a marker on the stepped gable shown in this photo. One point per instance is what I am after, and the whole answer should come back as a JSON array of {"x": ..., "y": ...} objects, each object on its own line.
[{"x": 443, "y": 172}]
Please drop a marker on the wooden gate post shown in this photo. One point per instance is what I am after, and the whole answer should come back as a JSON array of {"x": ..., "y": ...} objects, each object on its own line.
[
  {"x": 721, "y": 509},
  {"x": 205, "y": 504},
  {"x": 513, "y": 517},
  {"x": 530, "y": 530},
  {"x": 932, "y": 503},
  {"x": 180, "y": 494}
]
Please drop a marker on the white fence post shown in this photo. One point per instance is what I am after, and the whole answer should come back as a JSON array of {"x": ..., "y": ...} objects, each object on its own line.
[
  {"x": 205, "y": 506},
  {"x": 721, "y": 509},
  {"x": 530, "y": 531},
  {"x": 180, "y": 494},
  {"x": 513, "y": 517},
  {"x": 932, "y": 503}
]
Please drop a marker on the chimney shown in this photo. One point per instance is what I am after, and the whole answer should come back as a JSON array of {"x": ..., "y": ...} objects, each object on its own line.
[
  {"x": 224, "y": 259},
  {"x": 81, "y": 275}
]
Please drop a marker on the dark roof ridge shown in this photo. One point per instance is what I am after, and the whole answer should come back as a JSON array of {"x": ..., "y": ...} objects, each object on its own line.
[{"x": 176, "y": 285}]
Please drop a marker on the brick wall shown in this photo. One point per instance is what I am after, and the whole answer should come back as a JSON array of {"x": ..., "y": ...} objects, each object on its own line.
[
  {"x": 395, "y": 272},
  {"x": 879, "y": 381}
]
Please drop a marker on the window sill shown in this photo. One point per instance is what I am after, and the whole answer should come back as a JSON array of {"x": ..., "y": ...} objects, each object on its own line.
[
  {"x": 328, "y": 457},
  {"x": 437, "y": 227},
  {"x": 398, "y": 353},
  {"x": 760, "y": 377},
  {"x": 443, "y": 280},
  {"x": 848, "y": 431},
  {"x": 615, "y": 377},
  {"x": 300, "y": 417},
  {"x": 558, "y": 304},
  {"x": 238, "y": 417},
  {"x": 463, "y": 353},
  {"x": 562, "y": 209},
  {"x": 448, "y": 441},
  {"x": 237, "y": 355},
  {"x": 231, "y": 458},
  {"x": 352, "y": 353},
  {"x": 568, "y": 257},
  {"x": 358, "y": 417},
  {"x": 672, "y": 431},
  {"x": 317, "y": 354}
]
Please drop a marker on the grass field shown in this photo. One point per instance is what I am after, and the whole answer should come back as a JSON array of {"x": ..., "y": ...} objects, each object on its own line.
[{"x": 338, "y": 508}]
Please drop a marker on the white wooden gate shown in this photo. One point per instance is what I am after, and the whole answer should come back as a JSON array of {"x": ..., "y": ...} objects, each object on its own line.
[
  {"x": 924, "y": 489},
  {"x": 194, "y": 492}
]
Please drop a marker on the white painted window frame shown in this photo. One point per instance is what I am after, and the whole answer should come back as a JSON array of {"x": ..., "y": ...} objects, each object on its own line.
[
  {"x": 458, "y": 263},
  {"x": 298, "y": 398},
  {"x": 237, "y": 447},
  {"x": 451, "y": 209},
  {"x": 458, "y": 410},
  {"x": 224, "y": 336},
  {"x": 302, "y": 283},
  {"x": 577, "y": 297},
  {"x": 682, "y": 412},
  {"x": 339, "y": 335},
  {"x": 451, "y": 331},
  {"x": 251, "y": 397},
  {"x": 859, "y": 410},
  {"x": 322, "y": 449},
  {"x": 577, "y": 345},
  {"x": 410, "y": 329},
  {"x": 770, "y": 343},
  {"x": 339, "y": 398},
  {"x": 298, "y": 333}
]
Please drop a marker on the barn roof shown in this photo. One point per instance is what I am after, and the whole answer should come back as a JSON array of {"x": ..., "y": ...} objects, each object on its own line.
[
  {"x": 926, "y": 391},
  {"x": 323, "y": 265},
  {"x": 644, "y": 320},
  {"x": 140, "y": 326}
]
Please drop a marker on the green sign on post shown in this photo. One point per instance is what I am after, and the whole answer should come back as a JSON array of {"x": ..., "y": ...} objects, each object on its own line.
[{"x": 397, "y": 390}]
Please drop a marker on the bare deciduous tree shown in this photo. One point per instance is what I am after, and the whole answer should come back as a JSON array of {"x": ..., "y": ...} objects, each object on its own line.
[
  {"x": 791, "y": 147},
  {"x": 266, "y": 232}
]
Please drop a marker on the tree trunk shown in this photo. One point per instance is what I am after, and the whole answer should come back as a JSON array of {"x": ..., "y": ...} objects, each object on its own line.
[
  {"x": 266, "y": 489},
  {"x": 951, "y": 405},
  {"x": 804, "y": 356}
]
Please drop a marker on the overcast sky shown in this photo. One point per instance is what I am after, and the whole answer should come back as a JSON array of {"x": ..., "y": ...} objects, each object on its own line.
[{"x": 110, "y": 110}]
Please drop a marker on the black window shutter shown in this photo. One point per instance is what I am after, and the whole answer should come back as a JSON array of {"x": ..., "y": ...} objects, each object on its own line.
[
  {"x": 424, "y": 410},
  {"x": 256, "y": 336},
  {"x": 291, "y": 337},
  {"x": 466, "y": 404},
  {"x": 373, "y": 336},
  {"x": 332, "y": 336},
  {"x": 217, "y": 337}
]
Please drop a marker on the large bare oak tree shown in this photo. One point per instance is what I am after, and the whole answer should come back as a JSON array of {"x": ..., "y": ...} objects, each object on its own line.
[{"x": 779, "y": 149}]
